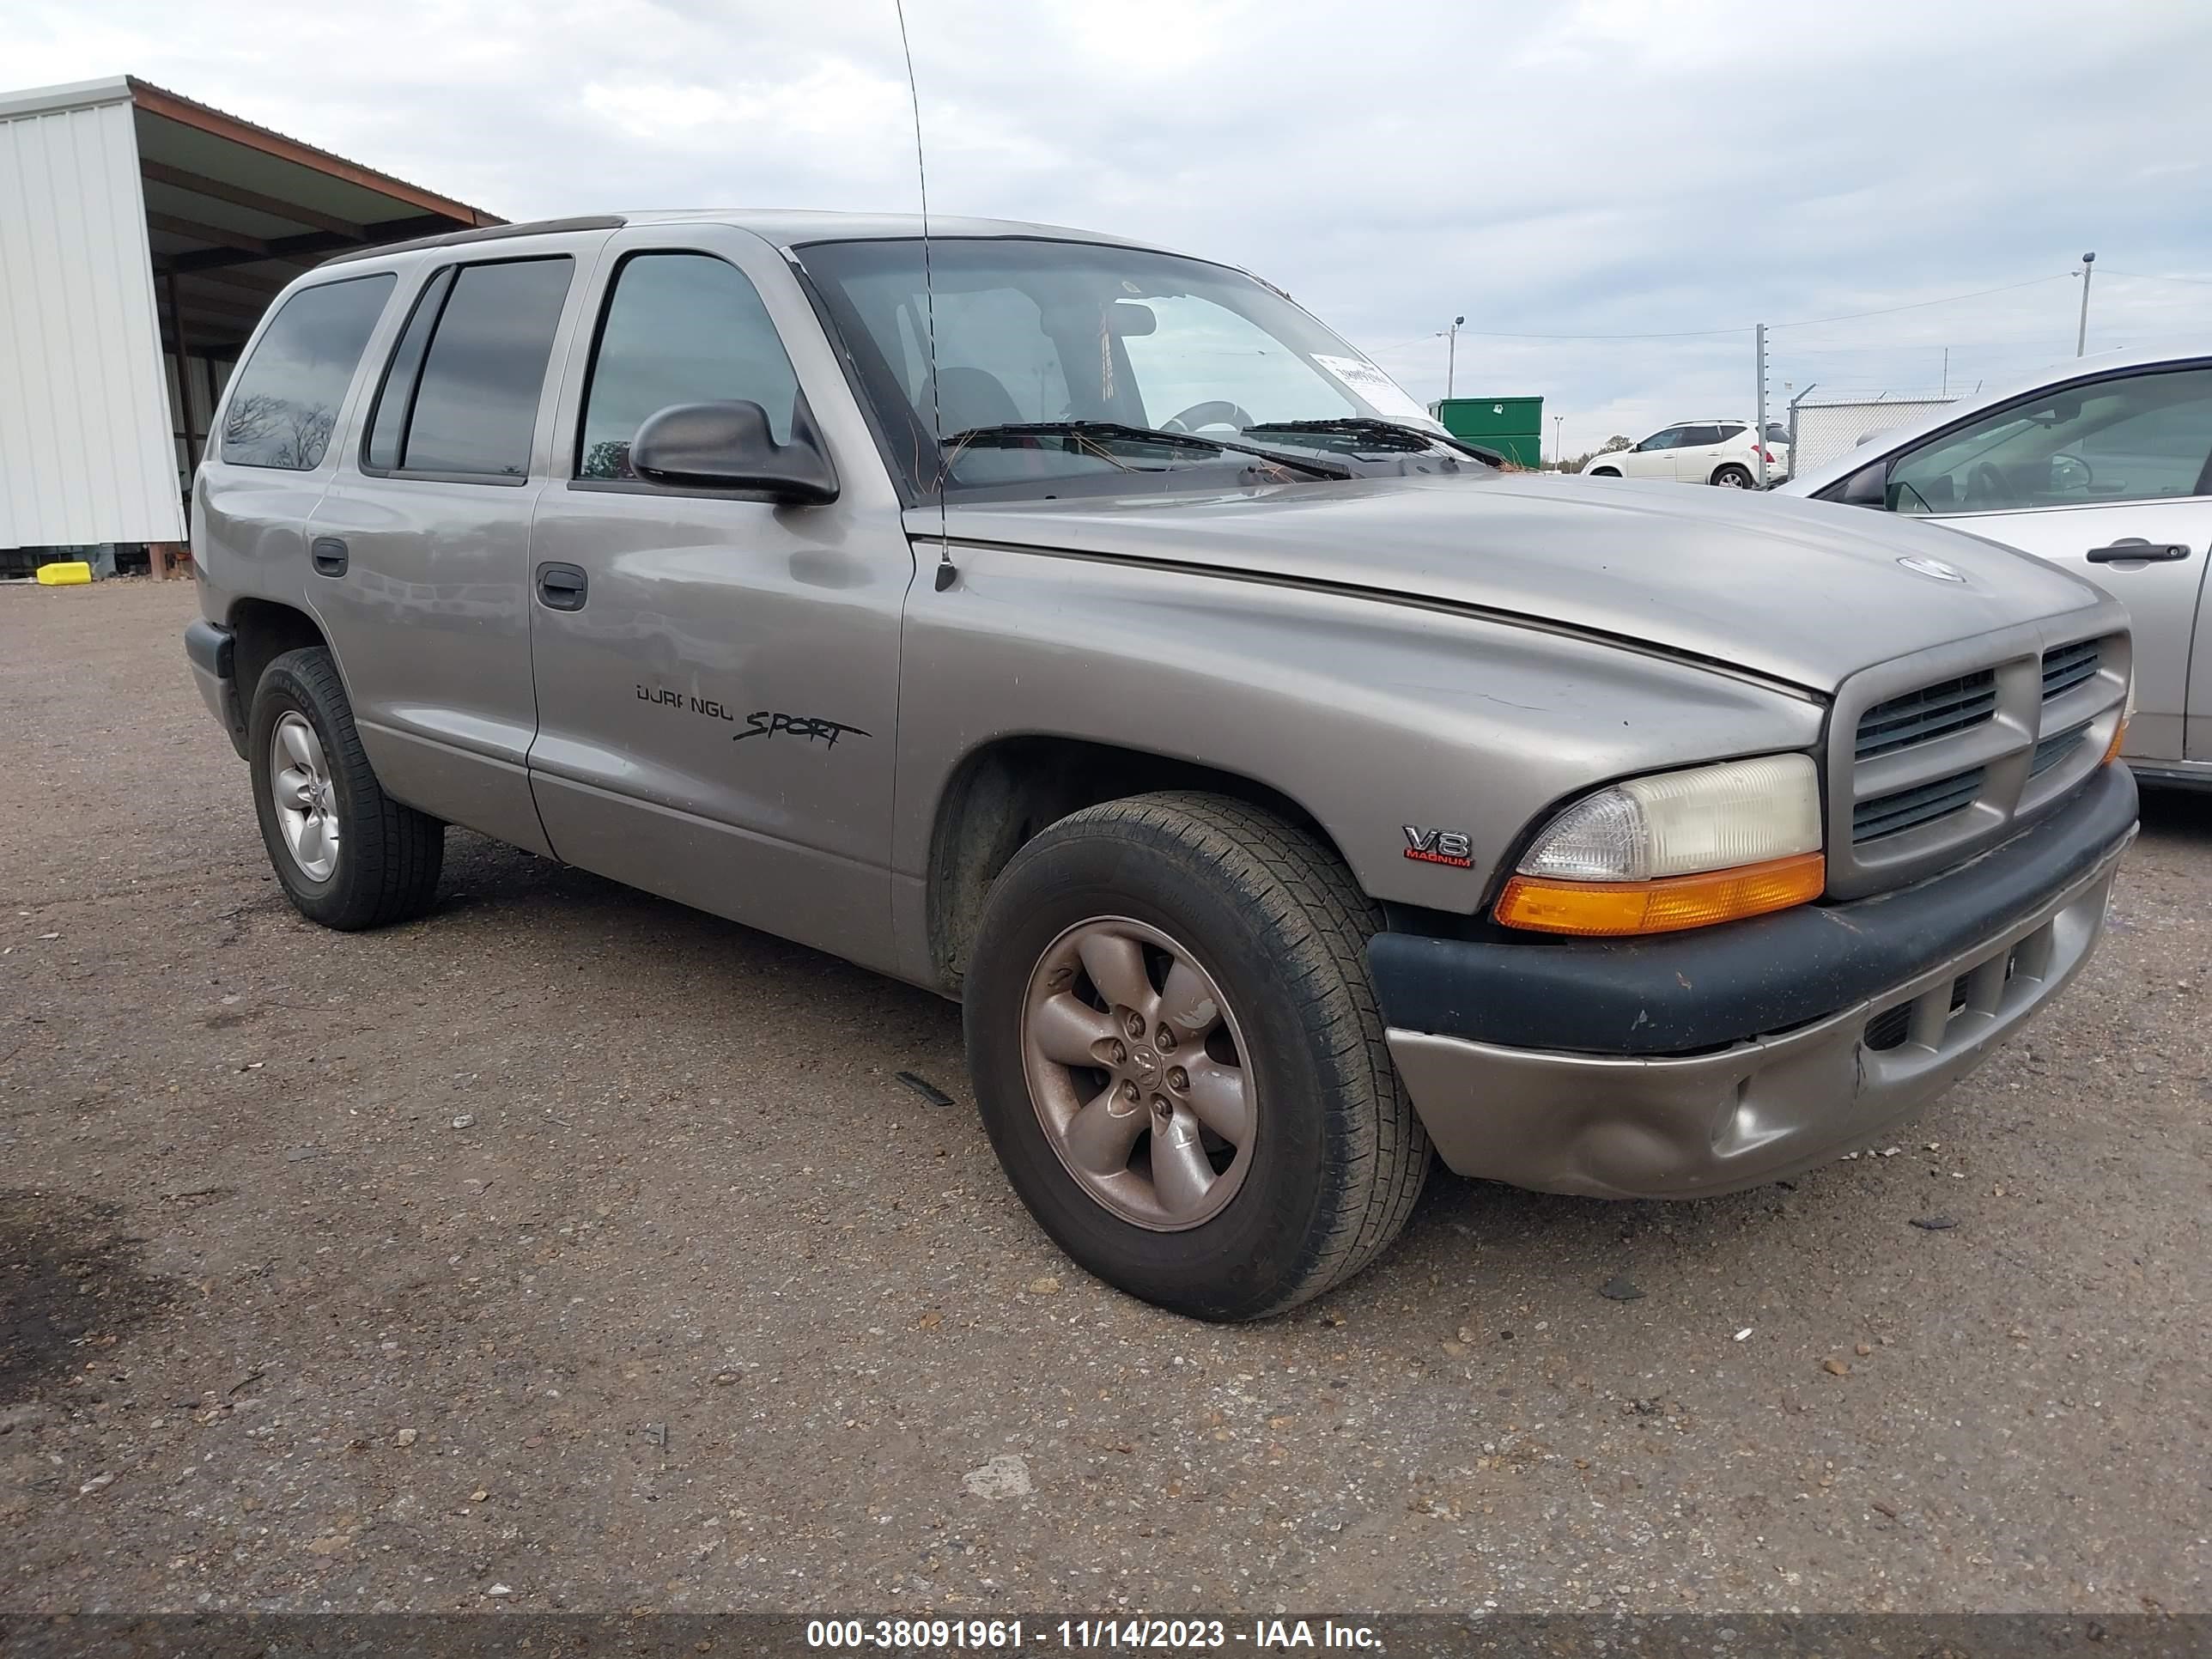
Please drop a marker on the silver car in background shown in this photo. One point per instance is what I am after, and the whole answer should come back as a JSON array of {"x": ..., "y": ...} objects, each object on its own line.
[{"x": 2103, "y": 466}]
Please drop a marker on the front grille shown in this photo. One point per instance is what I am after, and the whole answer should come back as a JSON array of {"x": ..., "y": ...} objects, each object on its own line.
[
  {"x": 2053, "y": 750},
  {"x": 2069, "y": 665},
  {"x": 1933, "y": 757},
  {"x": 1933, "y": 711},
  {"x": 1907, "y": 809}
]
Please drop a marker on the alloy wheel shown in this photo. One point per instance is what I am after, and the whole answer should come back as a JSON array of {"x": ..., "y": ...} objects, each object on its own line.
[
  {"x": 1139, "y": 1074},
  {"x": 306, "y": 801}
]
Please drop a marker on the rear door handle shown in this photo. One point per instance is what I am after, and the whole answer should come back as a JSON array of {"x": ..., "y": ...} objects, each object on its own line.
[
  {"x": 329, "y": 554},
  {"x": 2131, "y": 548},
  {"x": 562, "y": 587}
]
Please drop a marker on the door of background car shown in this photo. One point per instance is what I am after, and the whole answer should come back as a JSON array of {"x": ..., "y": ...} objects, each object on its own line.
[
  {"x": 717, "y": 675},
  {"x": 1653, "y": 458},
  {"x": 421, "y": 546},
  {"x": 1699, "y": 452},
  {"x": 2078, "y": 474}
]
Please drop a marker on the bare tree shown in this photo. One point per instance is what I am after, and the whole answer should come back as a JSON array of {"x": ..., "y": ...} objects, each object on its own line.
[
  {"x": 307, "y": 435},
  {"x": 250, "y": 419}
]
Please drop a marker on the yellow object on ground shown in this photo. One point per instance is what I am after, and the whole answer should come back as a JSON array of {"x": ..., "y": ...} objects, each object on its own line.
[{"x": 73, "y": 573}]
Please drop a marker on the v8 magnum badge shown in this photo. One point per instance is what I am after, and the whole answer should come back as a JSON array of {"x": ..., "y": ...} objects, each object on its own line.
[{"x": 1439, "y": 846}]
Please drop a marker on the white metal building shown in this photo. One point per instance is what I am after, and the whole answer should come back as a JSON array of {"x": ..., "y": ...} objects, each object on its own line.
[
  {"x": 1823, "y": 431},
  {"x": 142, "y": 235}
]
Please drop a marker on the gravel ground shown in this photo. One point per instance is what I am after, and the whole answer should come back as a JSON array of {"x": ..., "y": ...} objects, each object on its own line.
[{"x": 573, "y": 1250}]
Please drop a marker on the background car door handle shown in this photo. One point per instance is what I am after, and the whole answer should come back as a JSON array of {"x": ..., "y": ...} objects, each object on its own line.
[
  {"x": 2129, "y": 549},
  {"x": 329, "y": 554},
  {"x": 562, "y": 587}
]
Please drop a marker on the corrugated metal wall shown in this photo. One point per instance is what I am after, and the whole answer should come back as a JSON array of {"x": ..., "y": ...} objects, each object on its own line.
[{"x": 86, "y": 454}]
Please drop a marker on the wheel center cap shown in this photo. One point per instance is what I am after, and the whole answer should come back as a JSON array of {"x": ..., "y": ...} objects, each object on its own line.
[{"x": 1146, "y": 1065}]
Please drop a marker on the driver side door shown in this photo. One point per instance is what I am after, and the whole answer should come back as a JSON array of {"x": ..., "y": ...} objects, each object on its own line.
[
  {"x": 717, "y": 674},
  {"x": 2130, "y": 466},
  {"x": 1653, "y": 458}
]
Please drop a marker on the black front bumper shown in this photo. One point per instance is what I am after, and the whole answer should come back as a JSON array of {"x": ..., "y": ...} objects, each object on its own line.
[{"x": 1678, "y": 994}]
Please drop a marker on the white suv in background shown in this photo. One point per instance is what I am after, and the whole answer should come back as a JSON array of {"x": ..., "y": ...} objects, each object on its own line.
[{"x": 1722, "y": 453}]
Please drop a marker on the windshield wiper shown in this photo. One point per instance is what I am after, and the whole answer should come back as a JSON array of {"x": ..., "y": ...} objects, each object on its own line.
[
  {"x": 1117, "y": 429},
  {"x": 1394, "y": 434}
]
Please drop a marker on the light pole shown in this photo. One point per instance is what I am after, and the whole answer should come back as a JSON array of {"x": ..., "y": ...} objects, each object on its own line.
[
  {"x": 1451, "y": 355},
  {"x": 1559, "y": 454},
  {"x": 2082, "y": 334}
]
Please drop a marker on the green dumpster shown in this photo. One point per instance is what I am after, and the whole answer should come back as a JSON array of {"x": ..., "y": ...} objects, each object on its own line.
[{"x": 1514, "y": 427}]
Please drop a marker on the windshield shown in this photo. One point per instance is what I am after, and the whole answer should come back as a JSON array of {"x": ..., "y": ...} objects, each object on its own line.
[{"x": 1031, "y": 332}]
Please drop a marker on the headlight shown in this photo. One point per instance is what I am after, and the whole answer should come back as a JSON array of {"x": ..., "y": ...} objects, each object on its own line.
[{"x": 1675, "y": 850}]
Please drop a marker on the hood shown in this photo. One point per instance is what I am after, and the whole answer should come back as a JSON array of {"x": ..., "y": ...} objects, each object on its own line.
[{"x": 1797, "y": 591}]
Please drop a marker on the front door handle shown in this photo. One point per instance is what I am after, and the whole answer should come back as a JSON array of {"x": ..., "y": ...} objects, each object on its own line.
[
  {"x": 2130, "y": 549},
  {"x": 329, "y": 554},
  {"x": 562, "y": 587}
]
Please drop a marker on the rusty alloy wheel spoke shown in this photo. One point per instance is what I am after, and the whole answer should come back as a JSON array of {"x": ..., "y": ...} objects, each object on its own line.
[{"x": 1163, "y": 1085}]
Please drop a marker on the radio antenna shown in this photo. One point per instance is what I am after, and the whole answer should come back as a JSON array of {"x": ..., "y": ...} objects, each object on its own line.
[{"x": 947, "y": 573}]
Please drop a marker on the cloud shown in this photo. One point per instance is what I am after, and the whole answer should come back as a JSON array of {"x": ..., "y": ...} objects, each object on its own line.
[{"x": 1596, "y": 167}]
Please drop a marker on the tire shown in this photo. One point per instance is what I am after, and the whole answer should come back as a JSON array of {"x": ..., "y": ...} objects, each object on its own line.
[
  {"x": 1604, "y": 472},
  {"x": 1334, "y": 1157},
  {"x": 384, "y": 866},
  {"x": 1732, "y": 477}
]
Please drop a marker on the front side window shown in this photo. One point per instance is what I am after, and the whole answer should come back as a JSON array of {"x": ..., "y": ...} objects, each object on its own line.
[
  {"x": 679, "y": 328},
  {"x": 460, "y": 397},
  {"x": 2142, "y": 437},
  {"x": 284, "y": 402},
  {"x": 1030, "y": 332},
  {"x": 1670, "y": 439}
]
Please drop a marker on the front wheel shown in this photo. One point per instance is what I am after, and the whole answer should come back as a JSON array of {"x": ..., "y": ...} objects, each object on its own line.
[
  {"x": 1604, "y": 472},
  {"x": 346, "y": 853},
  {"x": 1178, "y": 1056}
]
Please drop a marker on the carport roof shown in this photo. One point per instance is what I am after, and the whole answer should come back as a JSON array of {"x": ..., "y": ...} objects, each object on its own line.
[{"x": 234, "y": 211}]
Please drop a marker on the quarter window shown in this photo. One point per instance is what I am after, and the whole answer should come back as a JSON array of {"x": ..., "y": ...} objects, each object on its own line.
[
  {"x": 460, "y": 397},
  {"x": 2144, "y": 437},
  {"x": 284, "y": 403},
  {"x": 680, "y": 328}
]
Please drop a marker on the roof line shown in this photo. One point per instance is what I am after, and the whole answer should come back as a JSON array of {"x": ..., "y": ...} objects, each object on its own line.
[
  {"x": 72, "y": 95},
  {"x": 158, "y": 100}
]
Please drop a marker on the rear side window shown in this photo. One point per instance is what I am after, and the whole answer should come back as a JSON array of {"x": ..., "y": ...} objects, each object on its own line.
[
  {"x": 284, "y": 402},
  {"x": 680, "y": 328},
  {"x": 1734, "y": 430},
  {"x": 459, "y": 399}
]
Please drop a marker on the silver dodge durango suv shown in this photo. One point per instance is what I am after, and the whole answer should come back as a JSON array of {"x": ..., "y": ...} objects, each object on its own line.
[{"x": 1084, "y": 632}]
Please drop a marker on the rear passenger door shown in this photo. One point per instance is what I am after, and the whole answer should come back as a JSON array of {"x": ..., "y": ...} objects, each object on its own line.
[
  {"x": 421, "y": 547},
  {"x": 717, "y": 676}
]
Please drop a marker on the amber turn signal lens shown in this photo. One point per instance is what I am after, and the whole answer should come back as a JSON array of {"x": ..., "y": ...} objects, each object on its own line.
[
  {"x": 1612, "y": 908},
  {"x": 2119, "y": 736}
]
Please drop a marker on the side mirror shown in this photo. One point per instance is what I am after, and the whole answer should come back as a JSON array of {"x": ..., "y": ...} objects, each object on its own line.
[
  {"x": 729, "y": 446},
  {"x": 1868, "y": 487}
]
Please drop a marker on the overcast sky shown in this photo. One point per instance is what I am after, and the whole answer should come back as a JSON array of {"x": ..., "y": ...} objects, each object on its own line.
[{"x": 1584, "y": 168}]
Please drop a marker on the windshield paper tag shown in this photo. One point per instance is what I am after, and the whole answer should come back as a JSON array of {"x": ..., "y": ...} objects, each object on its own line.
[{"x": 1391, "y": 399}]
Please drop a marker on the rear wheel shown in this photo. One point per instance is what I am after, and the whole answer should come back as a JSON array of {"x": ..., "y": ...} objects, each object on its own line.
[
  {"x": 346, "y": 853},
  {"x": 1179, "y": 1059},
  {"x": 1732, "y": 477}
]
